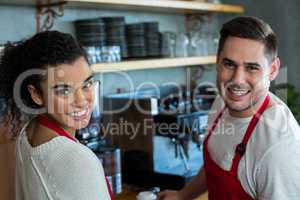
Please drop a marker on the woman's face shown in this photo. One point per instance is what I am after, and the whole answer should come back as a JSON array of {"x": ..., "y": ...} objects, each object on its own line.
[{"x": 68, "y": 94}]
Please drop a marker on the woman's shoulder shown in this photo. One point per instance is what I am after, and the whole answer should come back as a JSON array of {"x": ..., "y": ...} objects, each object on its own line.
[
  {"x": 62, "y": 148},
  {"x": 54, "y": 148},
  {"x": 74, "y": 171},
  {"x": 58, "y": 151}
]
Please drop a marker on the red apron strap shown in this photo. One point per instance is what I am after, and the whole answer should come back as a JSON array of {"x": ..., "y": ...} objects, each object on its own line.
[
  {"x": 109, "y": 189},
  {"x": 241, "y": 148},
  {"x": 51, "y": 125}
]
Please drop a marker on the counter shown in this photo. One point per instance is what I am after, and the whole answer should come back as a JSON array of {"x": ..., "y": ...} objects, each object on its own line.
[{"x": 130, "y": 193}]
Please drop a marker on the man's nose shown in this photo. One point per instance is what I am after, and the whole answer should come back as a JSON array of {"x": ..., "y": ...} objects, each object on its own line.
[{"x": 239, "y": 76}]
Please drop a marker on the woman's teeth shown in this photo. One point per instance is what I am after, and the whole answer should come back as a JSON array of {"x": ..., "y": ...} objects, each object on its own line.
[{"x": 79, "y": 113}]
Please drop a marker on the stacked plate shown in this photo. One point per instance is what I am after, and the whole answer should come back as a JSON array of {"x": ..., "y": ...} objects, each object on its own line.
[
  {"x": 115, "y": 32},
  {"x": 91, "y": 32},
  {"x": 152, "y": 39},
  {"x": 136, "y": 40}
]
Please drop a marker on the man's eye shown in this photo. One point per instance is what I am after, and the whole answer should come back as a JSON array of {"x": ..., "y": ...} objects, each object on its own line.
[
  {"x": 229, "y": 65},
  {"x": 252, "y": 68}
]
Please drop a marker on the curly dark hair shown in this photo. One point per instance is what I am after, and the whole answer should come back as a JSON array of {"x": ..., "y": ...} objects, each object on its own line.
[
  {"x": 48, "y": 48},
  {"x": 250, "y": 28}
]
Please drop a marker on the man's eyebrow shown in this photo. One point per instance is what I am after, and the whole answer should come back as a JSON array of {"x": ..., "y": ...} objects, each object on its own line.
[
  {"x": 63, "y": 85},
  {"x": 227, "y": 60},
  {"x": 252, "y": 64}
]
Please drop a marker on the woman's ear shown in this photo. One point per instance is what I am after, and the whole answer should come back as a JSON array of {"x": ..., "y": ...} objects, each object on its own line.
[
  {"x": 275, "y": 65},
  {"x": 35, "y": 95}
]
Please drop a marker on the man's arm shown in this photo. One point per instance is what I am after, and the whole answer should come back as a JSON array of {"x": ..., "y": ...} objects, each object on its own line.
[{"x": 193, "y": 189}]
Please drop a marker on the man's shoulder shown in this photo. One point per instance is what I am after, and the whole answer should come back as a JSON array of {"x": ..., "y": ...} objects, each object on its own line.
[
  {"x": 276, "y": 131},
  {"x": 277, "y": 134},
  {"x": 278, "y": 121}
]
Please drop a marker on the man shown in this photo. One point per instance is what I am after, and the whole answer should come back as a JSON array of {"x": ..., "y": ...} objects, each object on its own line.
[{"x": 252, "y": 147}]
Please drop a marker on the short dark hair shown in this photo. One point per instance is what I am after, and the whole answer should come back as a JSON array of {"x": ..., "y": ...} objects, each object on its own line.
[
  {"x": 250, "y": 28},
  {"x": 43, "y": 50}
]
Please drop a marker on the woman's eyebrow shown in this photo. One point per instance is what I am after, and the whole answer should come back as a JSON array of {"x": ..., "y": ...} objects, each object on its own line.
[
  {"x": 88, "y": 78},
  {"x": 63, "y": 85}
]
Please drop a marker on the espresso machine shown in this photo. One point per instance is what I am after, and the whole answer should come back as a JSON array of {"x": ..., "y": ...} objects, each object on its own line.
[{"x": 160, "y": 134}]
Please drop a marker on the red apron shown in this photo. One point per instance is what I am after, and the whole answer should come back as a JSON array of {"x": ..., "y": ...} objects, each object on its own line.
[
  {"x": 47, "y": 123},
  {"x": 222, "y": 184}
]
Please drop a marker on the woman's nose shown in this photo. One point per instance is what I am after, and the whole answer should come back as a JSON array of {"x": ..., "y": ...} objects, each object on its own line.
[{"x": 79, "y": 98}]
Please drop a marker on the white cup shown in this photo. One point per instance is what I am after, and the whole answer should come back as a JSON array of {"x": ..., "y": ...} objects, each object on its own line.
[{"x": 146, "y": 195}]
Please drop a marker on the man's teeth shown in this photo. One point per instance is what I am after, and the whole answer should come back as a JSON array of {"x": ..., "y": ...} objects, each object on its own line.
[
  {"x": 79, "y": 113},
  {"x": 239, "y": 92}
]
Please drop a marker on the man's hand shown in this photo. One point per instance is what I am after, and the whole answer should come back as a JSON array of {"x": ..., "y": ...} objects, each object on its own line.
[
  {"x": 169, "y": 195},
  {"x": 192, "y": 190}
]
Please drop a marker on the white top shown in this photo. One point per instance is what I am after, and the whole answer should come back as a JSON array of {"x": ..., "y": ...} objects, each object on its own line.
[
  {"x": 58, "y": 170},
  {"x": 270, "y": 167}
]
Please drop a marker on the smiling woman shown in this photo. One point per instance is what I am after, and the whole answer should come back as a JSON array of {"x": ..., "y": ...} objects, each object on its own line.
[{"x": 48, "y": 77}]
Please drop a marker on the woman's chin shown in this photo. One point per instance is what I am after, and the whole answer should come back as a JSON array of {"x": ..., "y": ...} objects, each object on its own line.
[
  {"x": 81, "y": 124},
  {"x": 78, "y": 123}
]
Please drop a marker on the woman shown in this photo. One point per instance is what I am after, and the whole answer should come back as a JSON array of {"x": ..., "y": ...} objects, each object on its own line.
[{"x": 49, "y": 75}]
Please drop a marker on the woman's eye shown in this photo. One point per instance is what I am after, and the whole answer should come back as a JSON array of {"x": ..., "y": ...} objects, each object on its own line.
[
  {"x": 88, "y": 85},
  {"x": 63, "y": 92}
]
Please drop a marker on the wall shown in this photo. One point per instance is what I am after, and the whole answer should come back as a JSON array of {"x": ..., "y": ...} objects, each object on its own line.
[{"x": 19, "y": 22}]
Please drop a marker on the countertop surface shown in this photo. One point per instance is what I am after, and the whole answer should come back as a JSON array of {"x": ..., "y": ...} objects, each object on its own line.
[{"x": 130, "y": 193}]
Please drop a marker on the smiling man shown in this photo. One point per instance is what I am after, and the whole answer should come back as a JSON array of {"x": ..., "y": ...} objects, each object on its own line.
[{"x": 259, "y": 157}]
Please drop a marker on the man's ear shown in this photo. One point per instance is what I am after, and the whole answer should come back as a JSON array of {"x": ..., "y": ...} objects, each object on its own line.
[
  {"x": 35, "y": 95},
  {"x": 275, "y": 65}
]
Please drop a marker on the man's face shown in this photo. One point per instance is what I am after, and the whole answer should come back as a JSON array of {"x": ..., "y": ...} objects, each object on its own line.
[{"x": 244, "y": 75}]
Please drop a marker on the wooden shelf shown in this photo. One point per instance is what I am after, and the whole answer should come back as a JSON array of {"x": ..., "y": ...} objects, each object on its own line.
[
  {"x": 180, "y": 6},
  {"x": 153, "y": 64},
  {"x": 159, "y": 5}
]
